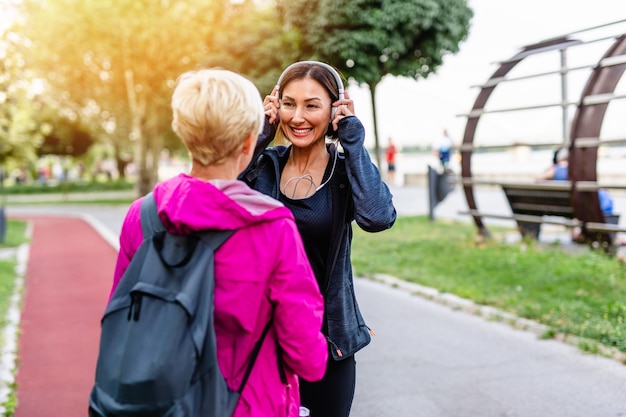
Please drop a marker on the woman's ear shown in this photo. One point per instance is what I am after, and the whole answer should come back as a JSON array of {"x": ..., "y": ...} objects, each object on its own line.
[{"x": 249, "y": 143}]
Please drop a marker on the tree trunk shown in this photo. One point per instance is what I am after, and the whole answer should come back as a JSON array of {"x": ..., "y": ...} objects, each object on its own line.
[
  {"x": 372, "y": 87},
  {"x": 155, "y": 145},
  {"x": 137, "y": 106},
  {"x": 120, "y": 162}
]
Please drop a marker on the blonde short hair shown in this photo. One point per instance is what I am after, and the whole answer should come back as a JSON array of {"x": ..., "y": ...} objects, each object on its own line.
[{"x": 214, "y": 111}]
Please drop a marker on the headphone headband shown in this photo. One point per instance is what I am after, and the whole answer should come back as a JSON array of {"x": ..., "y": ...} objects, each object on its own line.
[{"x": 333, "y": 71}]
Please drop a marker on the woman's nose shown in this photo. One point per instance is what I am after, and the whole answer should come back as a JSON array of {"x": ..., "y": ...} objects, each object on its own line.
[{"x": 298, "y": 114}]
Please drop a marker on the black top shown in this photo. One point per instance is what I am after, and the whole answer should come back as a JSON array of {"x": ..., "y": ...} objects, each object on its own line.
[{"x": 314, "y": 220}]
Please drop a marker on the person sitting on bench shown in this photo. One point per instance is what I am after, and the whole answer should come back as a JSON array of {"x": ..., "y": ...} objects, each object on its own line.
[{"x": 558, "y": 171}]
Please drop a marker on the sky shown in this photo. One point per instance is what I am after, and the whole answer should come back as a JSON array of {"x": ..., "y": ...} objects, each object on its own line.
[{"x": 416, "y": 112}]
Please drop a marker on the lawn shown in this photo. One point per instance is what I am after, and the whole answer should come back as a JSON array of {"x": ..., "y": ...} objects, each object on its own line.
[
  {"x": 581, "y": 294},
  {"x": 15, "y": 236}
]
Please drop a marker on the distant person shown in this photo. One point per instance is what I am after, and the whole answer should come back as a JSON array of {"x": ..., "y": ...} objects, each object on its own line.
[
  {"x": 390, "y": 158},
  {"x": 442, "y": 148},
  {"x": 262, "y": 271},
  {"x": 558, "y": 170}
]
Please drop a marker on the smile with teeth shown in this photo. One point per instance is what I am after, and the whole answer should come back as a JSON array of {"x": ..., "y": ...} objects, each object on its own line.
[{"x": 300, "y": 131}]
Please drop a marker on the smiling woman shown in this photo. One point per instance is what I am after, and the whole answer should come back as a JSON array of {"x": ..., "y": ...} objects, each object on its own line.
[{"x": 326, "y": 190}]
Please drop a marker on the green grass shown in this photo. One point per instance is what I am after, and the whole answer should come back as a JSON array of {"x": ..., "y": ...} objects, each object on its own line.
[
  {"x": 68, "y": 187},
  {"x": 15, "y": 236},
  {"x": 71, "y": 192},
  {"x": 61, "y": 201},
  {"x": 7, "y": 286},
  {"x": 581, "y": 294}
]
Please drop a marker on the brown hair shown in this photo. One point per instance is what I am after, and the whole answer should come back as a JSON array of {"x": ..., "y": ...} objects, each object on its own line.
[{"x": 317, "y": 73}]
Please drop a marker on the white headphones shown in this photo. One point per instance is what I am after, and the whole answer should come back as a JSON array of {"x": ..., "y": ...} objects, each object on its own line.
[{"x": 333, "y": 71}]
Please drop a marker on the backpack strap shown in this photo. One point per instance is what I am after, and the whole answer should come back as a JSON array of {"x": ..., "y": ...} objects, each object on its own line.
[
  {"x": 253, "y": 356},
  {"x": 150, "y": 221}
]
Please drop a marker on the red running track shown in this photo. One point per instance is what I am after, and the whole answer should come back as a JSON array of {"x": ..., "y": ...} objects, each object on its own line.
[{"x": 68, "y": 277}]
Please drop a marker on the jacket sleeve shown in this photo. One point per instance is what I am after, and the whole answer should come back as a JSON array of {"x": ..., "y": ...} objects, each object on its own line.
[
  {"x": 373, "y": 206},
  {"x": 298, "y": 306},
  {"x": 130, "y": 240},
  {"x": 265, "y": 138}
]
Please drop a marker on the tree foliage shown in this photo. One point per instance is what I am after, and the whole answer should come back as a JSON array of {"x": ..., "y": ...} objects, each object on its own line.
[
  {"x": 369, "y": 39},
  {"x": 254, "y": 46},
  {"x": 20, "y": 134},
  {"x": 117, "y": 61},
  {"x": 111, "y": 64},
  {"x": 65, "y": 136}
]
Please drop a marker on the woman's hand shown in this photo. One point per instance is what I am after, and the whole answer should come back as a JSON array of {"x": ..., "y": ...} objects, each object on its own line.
[
  {"x": 271, "y": 105},
  {"x": 345, "y": 107}
]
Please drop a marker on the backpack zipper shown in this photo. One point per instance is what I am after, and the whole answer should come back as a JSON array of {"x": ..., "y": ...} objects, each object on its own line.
[{"x": 135, "y": 307}]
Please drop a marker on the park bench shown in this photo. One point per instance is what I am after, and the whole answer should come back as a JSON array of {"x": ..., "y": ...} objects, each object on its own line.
[
  {"x": 553, "y": 202},
  {"x": 531, "y": 203}
]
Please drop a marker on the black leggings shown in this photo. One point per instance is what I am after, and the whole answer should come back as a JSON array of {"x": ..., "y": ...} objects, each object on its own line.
[{"x": 332, "y": 396}]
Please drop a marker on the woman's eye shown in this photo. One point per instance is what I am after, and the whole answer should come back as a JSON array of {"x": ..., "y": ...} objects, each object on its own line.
[
  {"x": 312, "y": 106},
  {"x": 287, "y": 104}
]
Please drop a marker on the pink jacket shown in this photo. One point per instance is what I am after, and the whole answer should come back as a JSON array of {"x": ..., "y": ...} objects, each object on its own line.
[{"x": 262, "y": 266}]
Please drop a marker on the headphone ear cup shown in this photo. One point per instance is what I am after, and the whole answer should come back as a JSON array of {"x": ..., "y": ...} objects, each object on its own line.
[{"x": 330, "y": 131}]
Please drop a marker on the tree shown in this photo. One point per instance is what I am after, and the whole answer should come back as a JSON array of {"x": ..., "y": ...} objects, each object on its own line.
[
  {"x": 117, "y": 60},
  {"x": 20, "y": 134},
  {"x": 253, "y": 46},
  {"x": 369, "y": 39},
  {"x": 65, "y": 137}
]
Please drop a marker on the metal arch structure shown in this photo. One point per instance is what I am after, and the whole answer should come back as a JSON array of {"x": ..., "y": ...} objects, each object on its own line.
[
  {"x": 585, "y": 128},
  {"x": 477, "y": 110},
  {"x": 587, "y": 124}
]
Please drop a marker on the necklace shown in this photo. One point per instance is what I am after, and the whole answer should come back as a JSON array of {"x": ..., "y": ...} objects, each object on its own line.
[{"x": 304, "y": 186}]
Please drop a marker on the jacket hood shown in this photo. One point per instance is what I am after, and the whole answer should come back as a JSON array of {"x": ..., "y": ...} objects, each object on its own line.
[{"x": 187, "y": 203}]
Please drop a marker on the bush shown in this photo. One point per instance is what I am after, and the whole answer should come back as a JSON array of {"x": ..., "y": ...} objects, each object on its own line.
[{"x": 68, "y": 187}]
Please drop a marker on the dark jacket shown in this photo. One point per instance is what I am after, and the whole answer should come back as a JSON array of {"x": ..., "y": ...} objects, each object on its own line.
[{"x": 359, "y": 194}]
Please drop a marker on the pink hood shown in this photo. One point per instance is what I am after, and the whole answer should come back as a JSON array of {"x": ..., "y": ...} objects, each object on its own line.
[{"x": 261, "y": 272}]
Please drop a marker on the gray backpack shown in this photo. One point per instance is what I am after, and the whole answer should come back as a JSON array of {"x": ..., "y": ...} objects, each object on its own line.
[{"x": 157, "y": 354}]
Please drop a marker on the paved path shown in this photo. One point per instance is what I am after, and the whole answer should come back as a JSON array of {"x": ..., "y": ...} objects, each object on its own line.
[
  {"x": 427, "y": 360},
  {"x": 67, "y": 282}
]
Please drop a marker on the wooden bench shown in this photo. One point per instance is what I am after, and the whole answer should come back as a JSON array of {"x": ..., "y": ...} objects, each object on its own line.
[
  {"x": 551, "y": 202},
  {"x": 533, "y": 203}
]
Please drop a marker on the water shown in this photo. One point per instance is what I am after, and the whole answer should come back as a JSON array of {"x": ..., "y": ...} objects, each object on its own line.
[{"x": 521, "y": 164}]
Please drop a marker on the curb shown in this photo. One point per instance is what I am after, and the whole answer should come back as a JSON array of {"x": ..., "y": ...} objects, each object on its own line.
[{"x": 493, "y": 314}]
